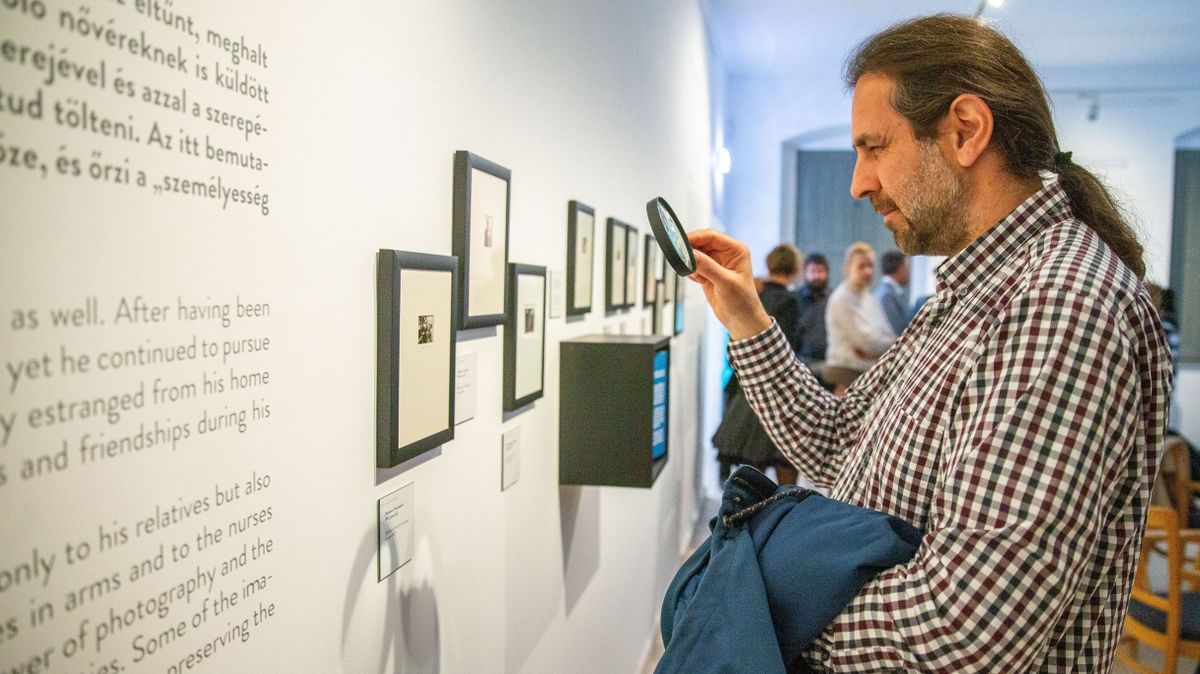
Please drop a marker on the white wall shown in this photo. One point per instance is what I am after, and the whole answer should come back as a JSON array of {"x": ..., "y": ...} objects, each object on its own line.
[
  {"x": 763, "y": 112},
  {"x": 368, "y": 102}
]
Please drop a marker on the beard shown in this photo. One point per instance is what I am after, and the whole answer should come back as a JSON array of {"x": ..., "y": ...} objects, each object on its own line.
[{"x": 933, "y": 203}]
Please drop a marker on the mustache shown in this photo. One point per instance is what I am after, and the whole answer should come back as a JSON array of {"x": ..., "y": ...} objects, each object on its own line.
[{"x": 882, "y": 203}]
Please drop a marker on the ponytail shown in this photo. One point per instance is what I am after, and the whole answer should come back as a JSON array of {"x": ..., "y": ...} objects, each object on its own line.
[{"x": 1092, "y": 204}]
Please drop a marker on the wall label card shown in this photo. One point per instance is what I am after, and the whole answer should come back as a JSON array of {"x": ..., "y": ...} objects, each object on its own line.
[
  {"x": 465, "y": 391},
  {"x": 510, "y": 458},
  {"x": 396, "y": 529}
]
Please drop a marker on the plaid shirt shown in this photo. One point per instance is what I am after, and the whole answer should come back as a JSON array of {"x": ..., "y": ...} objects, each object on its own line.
[{"x": 1017, "y": 421}]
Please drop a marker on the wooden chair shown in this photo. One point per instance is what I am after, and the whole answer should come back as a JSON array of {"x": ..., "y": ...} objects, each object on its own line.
[
  {"x": 1169, "y": 623},
  {"x": 1175, "y": 488},
  {"x": 1177, "y": 471}
]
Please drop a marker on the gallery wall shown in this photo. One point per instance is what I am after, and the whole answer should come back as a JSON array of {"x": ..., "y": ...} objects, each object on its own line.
[{"x": 218, "y": 511}]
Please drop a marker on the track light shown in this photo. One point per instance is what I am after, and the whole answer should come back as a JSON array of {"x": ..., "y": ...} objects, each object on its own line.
[
  {"x": 983, "y": 4},
  {"x": 724, "y": 161}
]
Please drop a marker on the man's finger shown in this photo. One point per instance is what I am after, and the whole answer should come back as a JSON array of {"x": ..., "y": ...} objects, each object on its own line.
[
  {"x": 709, "y": 270},
  {"x": 713, "y": 241}
]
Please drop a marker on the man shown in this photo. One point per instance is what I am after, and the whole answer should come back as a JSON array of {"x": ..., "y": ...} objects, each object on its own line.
[
  {"x": 891, "y": 290},
  {"x": 1018, "y": 419},
  {"x": 811, "y": 299}
]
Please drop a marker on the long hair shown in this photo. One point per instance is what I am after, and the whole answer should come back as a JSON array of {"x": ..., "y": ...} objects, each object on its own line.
[{"x": 932, "y": 60}]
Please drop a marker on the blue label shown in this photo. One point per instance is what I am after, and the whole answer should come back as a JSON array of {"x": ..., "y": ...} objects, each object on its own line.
[{"x": 658, "y": 447}]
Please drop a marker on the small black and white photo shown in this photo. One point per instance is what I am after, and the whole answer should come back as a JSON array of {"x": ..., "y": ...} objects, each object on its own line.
[
  {"x": 425, "y": 329},
  {"x": 525, "y": 337},
  {"x": 487, "y": 231}
]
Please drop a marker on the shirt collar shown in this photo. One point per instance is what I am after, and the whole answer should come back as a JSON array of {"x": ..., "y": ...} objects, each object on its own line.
[{"x": 983, "y": 256}]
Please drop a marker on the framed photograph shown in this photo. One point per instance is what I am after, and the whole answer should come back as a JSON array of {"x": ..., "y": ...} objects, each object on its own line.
[
  {"x": 659, "y": 311},
  {"x": 670, "y": 279},
  {"x": 525, "y": 336},
  {"x": 418, "y": 318},
  {"x": 631, "y": 266},
  {"x": 482, "y": 191},
  {"x": 653, "y": 271},
  {"x": 581, "y": 254},
  {"x": 614, "y": 265}
]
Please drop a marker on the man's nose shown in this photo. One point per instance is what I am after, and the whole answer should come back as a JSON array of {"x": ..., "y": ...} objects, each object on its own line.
[{"x": 864, "y": 181}]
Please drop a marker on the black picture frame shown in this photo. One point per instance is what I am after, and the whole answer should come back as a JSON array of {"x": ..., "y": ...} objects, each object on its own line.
[
  {"x": 390, "y": 448},
  {"x": 465, "y": 163},
  {"x": 575, "y": 230},
  {"x": 632, "y": 260},
  {"x": 659, "y": 308},
  {"x": 652, "y": 263},
  {"x": 614, "y": 261},
  {"x": 670, "y": 281},
  {"x": 518, "y": 317}
]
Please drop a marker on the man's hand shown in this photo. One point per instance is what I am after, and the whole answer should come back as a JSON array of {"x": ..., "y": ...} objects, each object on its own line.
[{"x": 724, "y": 271}]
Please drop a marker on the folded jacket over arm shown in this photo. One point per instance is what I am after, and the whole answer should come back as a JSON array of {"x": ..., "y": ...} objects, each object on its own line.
[{"x": 780, "y": 564}]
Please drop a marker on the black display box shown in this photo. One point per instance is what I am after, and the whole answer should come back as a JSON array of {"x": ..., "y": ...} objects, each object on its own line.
[{"x": 614, "y": 410}]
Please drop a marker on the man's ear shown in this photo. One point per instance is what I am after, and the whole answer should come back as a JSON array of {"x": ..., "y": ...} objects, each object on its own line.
[{"x": 968, "y": 129}]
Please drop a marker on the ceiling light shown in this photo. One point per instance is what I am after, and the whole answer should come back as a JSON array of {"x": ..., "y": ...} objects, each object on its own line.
[
  {"x": 724, "y": 161},
  {"x": 983, "y": 4}
]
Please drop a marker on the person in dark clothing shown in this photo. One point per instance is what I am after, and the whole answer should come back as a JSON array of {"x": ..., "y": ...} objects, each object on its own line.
[
  {"x": 810, "y": 340},
  {"x": 740, "y": 439}
]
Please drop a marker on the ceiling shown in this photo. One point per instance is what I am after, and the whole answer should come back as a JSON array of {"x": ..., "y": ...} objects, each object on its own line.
[{"x": 784, "y": 37}]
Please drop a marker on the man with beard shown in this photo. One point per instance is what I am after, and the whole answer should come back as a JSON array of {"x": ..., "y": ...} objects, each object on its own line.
[
  {"x": 1018, "y": 419},
  {"x": 810, "y": 300}
]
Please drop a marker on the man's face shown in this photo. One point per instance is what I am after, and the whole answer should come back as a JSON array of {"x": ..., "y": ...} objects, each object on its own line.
[
  {"x": 921, "y": 196},
  {"x": 816, "y": 275},
  {"x": 901, "y": 276}
]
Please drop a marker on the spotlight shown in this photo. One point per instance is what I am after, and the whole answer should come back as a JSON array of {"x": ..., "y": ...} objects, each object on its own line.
[
  {"x": 983, "y": 4},
  {"x": 724, "y": 161}
]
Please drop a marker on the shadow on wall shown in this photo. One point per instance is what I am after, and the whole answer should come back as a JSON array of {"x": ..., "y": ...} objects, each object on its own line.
[
  {"x": 410, "y": 640},
  {"x": 579, "y": 508},
  {"x": 382, "y": 475}
]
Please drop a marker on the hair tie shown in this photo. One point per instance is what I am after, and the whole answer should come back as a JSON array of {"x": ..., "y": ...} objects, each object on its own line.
[{"x": 1062, "y": 158}]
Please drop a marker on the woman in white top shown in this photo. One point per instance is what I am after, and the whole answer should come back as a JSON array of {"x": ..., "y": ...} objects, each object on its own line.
[{"x": 858, "y": 330}]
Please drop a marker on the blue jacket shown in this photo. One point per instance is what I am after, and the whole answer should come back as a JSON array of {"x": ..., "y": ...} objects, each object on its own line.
[
  {"x": 780, "y": 564},
  {"x": 892, "y": 298}
]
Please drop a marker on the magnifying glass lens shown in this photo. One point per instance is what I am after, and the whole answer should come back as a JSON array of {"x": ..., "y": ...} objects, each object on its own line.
[{"x": 671, "y": 237}]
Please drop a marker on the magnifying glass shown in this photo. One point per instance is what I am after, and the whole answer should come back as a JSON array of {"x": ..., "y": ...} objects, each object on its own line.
[{"x": 671, "y": 237}]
